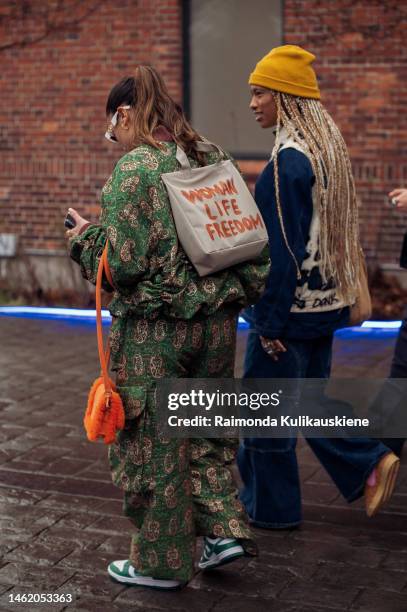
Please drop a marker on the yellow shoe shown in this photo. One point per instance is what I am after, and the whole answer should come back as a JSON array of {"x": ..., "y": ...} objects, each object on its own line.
[{"x": 378, "y": 494}]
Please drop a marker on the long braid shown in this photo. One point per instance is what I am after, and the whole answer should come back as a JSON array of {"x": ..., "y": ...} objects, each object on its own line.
[
  {"x": 311, "y": 126},
  {"x": 277, "y": 190}
]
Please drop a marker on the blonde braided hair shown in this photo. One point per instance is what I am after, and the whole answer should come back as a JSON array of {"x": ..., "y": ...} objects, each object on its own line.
[{"x": 310, "y": 125}]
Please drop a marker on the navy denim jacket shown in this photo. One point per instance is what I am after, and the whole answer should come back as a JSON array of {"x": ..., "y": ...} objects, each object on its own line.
[{"x": 271, "y": 316}]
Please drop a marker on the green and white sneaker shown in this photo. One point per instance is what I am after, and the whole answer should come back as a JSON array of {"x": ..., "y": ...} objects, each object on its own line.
[
  {"x": 219, "y": 551},
  {"x": 124, "y": 572}
]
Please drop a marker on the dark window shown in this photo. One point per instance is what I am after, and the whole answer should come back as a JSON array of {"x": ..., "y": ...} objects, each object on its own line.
[{"x": 224, "y": 39}]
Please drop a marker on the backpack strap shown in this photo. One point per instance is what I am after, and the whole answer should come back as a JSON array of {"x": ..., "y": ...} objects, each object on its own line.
[{"x": 200, "y": 145}]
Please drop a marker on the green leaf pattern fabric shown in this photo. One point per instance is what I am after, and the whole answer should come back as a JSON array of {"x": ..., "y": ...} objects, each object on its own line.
[{"x": 168, "y": 322}]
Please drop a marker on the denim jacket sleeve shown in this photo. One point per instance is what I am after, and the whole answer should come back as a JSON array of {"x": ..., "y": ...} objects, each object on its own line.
[{"x": 296, "y": 179}]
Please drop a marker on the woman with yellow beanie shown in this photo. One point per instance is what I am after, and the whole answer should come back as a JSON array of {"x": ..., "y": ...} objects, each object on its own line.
[{"x": 306, "y": 195}]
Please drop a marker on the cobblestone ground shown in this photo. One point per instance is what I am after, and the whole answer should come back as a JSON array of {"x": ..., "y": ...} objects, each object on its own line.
[{"x": 61, "y": 520}]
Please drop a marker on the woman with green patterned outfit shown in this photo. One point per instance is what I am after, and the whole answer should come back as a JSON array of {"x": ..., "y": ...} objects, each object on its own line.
[{"x": 167, "y": 322}]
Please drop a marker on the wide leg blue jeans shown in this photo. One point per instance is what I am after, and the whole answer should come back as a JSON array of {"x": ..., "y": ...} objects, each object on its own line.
[{"x": 268, "y": 466}]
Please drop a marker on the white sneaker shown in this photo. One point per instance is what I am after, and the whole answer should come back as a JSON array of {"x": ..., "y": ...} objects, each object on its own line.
[
  {"x": 219, "y": 551},
  {"x": 124, "y": 572}
]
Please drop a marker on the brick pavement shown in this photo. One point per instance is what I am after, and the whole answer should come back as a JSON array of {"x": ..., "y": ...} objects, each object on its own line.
[{"x": 61, "y": 522}]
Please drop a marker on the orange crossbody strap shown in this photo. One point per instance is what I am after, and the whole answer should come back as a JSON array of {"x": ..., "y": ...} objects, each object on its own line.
[
  {"x": 106, "y": 267},
  {"x": 103, "y": 357}
]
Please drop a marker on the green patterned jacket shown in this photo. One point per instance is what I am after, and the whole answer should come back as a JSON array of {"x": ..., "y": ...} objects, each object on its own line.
[{"x": 149, "y": 268}]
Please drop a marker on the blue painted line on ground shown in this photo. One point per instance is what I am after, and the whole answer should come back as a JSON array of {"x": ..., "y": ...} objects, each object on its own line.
[{"x": 372, "y": 329}]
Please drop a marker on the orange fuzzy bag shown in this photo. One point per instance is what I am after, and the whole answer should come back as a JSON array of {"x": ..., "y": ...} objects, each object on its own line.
[{"x": 104, "y": 414}]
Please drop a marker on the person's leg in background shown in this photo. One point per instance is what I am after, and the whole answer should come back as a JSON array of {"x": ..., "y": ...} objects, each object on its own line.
[
  {"x": 399, "y": 362},
  {"x": 268, "y": 466},
  {"x": 398, "y": 370}
]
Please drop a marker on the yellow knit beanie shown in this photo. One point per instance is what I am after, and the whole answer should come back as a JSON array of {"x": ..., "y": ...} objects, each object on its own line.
[{"x": 287, "y": 69}]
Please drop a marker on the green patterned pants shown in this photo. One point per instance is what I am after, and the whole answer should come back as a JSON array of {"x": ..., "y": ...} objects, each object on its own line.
[{"x": 175, "y": 489}]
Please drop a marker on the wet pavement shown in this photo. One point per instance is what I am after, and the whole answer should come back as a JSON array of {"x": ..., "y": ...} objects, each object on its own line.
[{"x": 61, "y": 522}]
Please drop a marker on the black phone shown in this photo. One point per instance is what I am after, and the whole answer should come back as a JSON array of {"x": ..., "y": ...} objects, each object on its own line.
[{"x": 69, "y": 221}]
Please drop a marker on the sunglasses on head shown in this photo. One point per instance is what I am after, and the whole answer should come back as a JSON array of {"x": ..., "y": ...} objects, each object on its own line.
[{"x": 109, "y": 134}]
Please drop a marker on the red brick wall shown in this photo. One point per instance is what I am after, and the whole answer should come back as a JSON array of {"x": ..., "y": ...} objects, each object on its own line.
[
  {"x": 57, "y": 68},
  {"x": 58, "y": 65},
  {"x": 361, "y": 50}
]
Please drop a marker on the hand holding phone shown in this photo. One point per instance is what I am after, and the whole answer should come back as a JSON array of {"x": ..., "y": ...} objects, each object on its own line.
[
  {"x": 74, "y": 223},
  {"x": 69, "y": 221}
]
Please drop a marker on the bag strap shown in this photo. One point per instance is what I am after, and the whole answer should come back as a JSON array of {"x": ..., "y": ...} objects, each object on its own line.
[
  {"x": 200, "y": 145},
  {"x": 104, "y": 357}
]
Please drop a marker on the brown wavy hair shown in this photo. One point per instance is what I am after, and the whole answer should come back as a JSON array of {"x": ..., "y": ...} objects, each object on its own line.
[{"x": 152, "y": 107}]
